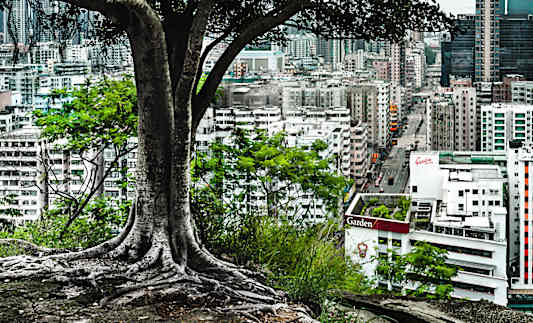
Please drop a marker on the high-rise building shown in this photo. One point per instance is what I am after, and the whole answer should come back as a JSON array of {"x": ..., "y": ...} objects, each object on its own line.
[
  {"x": 507, "y": 81},
  {"x": 520, "y": 160},
  {"x": 519, "y": 7},
  {"x": 522, "y": 92},
  {"x": 458, "y": 53},
  {"x": 441, "y": 117},
  {"x": 17, "y": 22},
  {"x": 465, "y": 101},
  {"x": 488, "y": 19},
  {"x": 360, "y": 161},
  {"x": 496, "y": 42},
  {"x": 398, "y": 63},
  {"x": 332, "y": 50},
  {"x": 370, "y": 103},
  {"x": 516, "y": 45},
  {"x": 502, "y": 123}
]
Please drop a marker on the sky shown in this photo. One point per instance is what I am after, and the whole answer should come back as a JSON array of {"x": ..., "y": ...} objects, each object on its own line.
[{"x": 458, "y": 6}]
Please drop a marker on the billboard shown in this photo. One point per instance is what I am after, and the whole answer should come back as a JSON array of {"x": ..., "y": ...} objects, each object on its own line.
[{"x": 376, "y": 224}]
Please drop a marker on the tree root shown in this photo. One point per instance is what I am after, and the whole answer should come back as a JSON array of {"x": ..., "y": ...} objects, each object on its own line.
[
  {"x": 249, "y": 310},
  {"x": 32, "y": 249},
  {"x": 135, "y": 276}
]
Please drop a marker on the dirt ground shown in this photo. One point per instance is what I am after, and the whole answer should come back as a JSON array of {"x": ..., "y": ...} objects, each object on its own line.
[{"x": 41, "y": 301}]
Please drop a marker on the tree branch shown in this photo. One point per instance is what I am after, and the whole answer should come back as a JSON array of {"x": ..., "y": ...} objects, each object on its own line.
[
  {"x": 202, "y": 100},
  {"x": 80, "y": 208},
  {"x": 206, "y": 52},
  {"x": 192, "y": 55}
]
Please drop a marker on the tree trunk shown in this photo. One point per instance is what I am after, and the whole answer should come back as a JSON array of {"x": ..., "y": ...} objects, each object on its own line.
[
  {"x": 100, "y": 168},
  {"x": 150, "y": 228},
  {"x": 43, "y": 181}
]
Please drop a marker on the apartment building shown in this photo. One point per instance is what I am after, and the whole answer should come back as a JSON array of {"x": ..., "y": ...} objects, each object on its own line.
[
  {"x": 296, "y": 94},
  {"x": 441, "y": 122},
  {"x": 505, "y": 122},
  {"x": 20, "y": 168},
  {"x": 354, "y": 61},
  {"x": 520, "y": 159},
  {"x": 360, "y": 156},
  {"x": 370, "y": 103},
  {"x": 398, "y": 63},
  {"x": 487, "y": 44},
  {"x": 522, "y": 92},
  {"x": 465, "y": 119}
]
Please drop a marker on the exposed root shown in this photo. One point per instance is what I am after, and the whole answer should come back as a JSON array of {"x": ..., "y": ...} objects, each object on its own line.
[
  {"x": 32, "y": 249},
  {"x": 130, "y": 293},
  {"x": 106, "y": 247},
  {"x": 143, "y": 271},
  {"x": 248, "y": 311},
  {"x": 147, "y": 261}
]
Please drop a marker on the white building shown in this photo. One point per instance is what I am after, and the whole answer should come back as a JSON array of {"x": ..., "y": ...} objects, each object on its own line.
[
  {"x": 360, "y": 156},
  {"x": 261, "y": 60},
  {"x": 505, "y": 122},
  {"x": 77, "y": 53},
  {"x": 458, "y": 208},
  {"x": 301, "y": 46},
  {"x": 522, "y": 92},
  {"x": 354, "y": 61},
  {"x": 43, "y": 53},
  {"x": 305, "y": 94}
]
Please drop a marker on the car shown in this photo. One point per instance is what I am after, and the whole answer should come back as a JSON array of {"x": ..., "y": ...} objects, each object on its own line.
[{"x": 381, "y": 190}]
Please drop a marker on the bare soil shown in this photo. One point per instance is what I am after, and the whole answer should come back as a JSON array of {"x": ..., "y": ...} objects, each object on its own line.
[{"x": 41, "y": 301}]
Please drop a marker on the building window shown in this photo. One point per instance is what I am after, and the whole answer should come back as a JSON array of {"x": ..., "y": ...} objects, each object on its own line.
[
  {"x": 461, "y": 193},
  {"x": 461, "y": 207},
  {"x": 474, "y": 191},
  {"x": 475, "y": 202},
  {"x": 415, "y": 189},
  {"x": 396, "y": 243}
]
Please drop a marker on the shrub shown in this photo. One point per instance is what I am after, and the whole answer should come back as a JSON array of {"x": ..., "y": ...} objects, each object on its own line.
[
  {"x": 306, "y": 262},
  {"x": 98, "y": 222}
]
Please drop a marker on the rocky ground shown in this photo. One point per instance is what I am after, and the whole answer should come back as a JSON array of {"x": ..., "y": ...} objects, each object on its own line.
[
  {"x": 421, "y": 310},
  {"x": 41, "y": 301},
  {"x": 37, "y": 301}
]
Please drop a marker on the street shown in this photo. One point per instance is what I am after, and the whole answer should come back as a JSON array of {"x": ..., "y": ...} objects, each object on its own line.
[{"x": 395, "y": 168}]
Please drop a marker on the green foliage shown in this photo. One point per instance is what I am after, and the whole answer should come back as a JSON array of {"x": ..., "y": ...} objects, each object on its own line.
[
  {"x": 381, "y": 212},
  {"x": 98, "y": 114},
  {"x": 259, "y": 163},
  {"x": 425, "y": 265},
  {"x": 94, "y": 117},
  {"x": 10, "y": 250},
  {"x": 306, "y": 262},
  {"x": 303, "y": 260},
  {"x": 99, "y": 222}
]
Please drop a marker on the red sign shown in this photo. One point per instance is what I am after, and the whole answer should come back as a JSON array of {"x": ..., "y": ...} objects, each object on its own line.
[
  {"x": 423, "y": 161},
  {"x": 376, "y": 224}
]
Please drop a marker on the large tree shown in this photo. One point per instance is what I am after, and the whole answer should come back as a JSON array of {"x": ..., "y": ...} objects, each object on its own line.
[{"x": 159, "y": 244}]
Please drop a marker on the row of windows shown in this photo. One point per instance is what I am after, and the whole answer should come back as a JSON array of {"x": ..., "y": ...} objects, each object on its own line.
[
  {"x": 385, "y": 241},
  {"x": 462, "y": 250}
]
